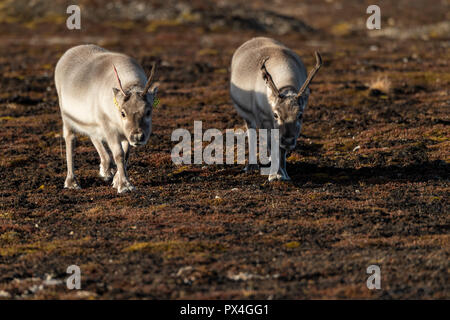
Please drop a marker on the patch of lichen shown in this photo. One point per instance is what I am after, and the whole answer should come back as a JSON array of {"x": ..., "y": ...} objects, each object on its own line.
[
  {"x": 5, "y": 215},
  {"x": 437, "y": 135},
  {"x": 123, "y": 25},
  {"x": 342, "y": 29},
  {"x": 52, "y": 18},
  {"x": 176, "y": 249},
  {"x": 158, "y": 208},
  {"x": 179, "y": 170},
  {"x": 60, "y": 247},
  {"x": 346, "y": 146},
  {"x": 156, "y": 24},
  {"x": 8, "y": 237},
  {"x": 292, "y": 245},
  {"x": 183, "y": 18},
  {"x": 207, "y": 52}
]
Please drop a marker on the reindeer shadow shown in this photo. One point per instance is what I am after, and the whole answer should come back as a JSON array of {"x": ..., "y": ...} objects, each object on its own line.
[{"x": 302, "y": 173}]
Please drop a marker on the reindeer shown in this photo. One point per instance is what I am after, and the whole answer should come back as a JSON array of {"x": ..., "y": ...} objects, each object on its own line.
[
  {"x": 269, "y": 89},
  {"x": 115, "y": 112}
]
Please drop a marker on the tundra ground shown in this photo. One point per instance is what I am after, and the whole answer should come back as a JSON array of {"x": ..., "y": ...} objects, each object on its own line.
[{"x": 370, "y": 173}]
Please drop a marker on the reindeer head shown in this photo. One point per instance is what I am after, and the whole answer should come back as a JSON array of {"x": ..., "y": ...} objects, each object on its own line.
[
  {"x": 135, "y": 108},
  {"x": 287, "y": 108}
]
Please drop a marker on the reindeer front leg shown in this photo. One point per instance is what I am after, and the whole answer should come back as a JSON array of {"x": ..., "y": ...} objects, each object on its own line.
[
  {"x": 120, "y": 181},
  {"x": 284, "y": 174},
  {"x": 279, "y": 164},
  {"x": 126, "y": 150}
]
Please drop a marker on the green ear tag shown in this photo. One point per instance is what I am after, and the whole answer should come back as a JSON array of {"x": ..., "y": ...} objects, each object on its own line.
[{"x": 155, "y": 102}]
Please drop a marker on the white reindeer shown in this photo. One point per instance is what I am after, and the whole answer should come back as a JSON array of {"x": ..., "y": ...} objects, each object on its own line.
[
  {"x": 269, "y": 89},
  {"x": 95, "y": 102}
]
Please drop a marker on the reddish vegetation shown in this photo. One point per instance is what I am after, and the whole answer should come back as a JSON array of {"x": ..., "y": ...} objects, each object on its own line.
[{"x": 214, "y": 231}]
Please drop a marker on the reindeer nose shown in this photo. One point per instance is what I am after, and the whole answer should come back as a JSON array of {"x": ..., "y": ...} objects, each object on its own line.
[
  {"x": 288, "y": 141},
  {"x": 139, "y": 136}
]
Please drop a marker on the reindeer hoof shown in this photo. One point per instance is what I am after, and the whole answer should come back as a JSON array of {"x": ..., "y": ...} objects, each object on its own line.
[
  {"x": 126, "y": 188},
  {"x": 106, "y": 174},
  {"x": 122, "y": 184},
  {"x": 71, "y": 183},
  {"x": 279, "y": 177}
]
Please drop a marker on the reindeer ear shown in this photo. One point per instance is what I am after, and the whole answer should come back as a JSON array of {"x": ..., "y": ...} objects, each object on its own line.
[
  {"x": 151, "y": 93},
  {"x": 118, "y": 94},
  {"x": 303, "y": 99},
  {"x": 272, "y": 97}
]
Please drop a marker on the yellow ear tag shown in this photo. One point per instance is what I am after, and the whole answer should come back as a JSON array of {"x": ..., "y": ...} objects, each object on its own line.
[
  {"x": 155, "y": 102},
  {"x": 116, "y": 103}
]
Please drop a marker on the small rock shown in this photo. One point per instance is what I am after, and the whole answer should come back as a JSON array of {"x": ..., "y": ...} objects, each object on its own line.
[
  {"x": 183, "y": 270},
  {"x": 86, "y": 294},
  {"x": 35, "y": 288},
  {"x": 52, "y": 282},
  {"x": 241, "y": 276}
]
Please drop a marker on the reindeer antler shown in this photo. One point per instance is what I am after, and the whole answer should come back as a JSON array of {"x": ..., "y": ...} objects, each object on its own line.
[
  {"x": 149, "y": 81},
  {"x": 311, "y": 75},
  {"x": 118, "y": 80},
  {"x": 268, "y": 78}
]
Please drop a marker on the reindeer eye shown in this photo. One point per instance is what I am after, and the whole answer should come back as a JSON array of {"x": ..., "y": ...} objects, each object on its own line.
[
  {"x": 123, "y": 114},
  {"x": 276, "y": 116}
]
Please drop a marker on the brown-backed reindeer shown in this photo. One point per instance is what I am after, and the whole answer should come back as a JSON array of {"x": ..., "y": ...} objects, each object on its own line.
[
  {"x": 269, "y": 89},
  {"x": 113, "y": 111}
]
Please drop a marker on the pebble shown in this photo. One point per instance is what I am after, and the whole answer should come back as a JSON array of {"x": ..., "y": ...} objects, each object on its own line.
[{"x": 5, "y": 294}]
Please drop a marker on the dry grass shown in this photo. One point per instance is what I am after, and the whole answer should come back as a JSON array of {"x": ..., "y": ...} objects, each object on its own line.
[{"x": 382, "y": 83}]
